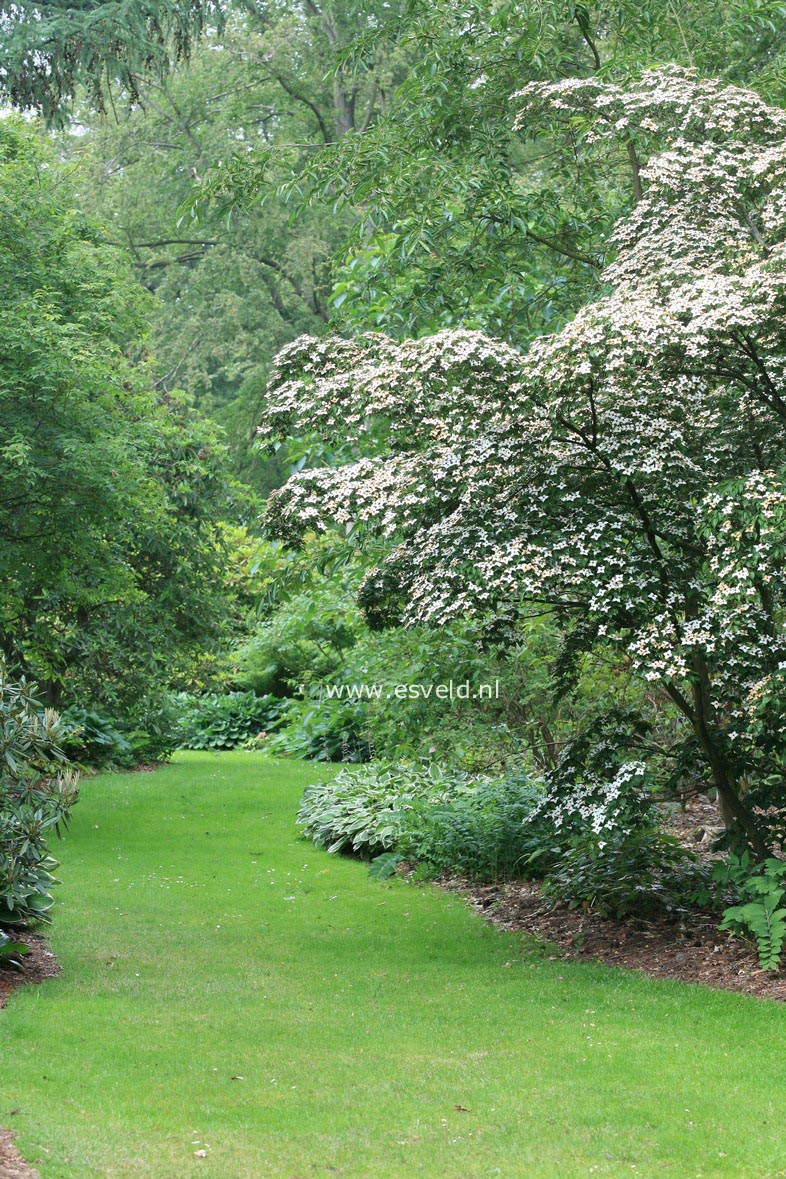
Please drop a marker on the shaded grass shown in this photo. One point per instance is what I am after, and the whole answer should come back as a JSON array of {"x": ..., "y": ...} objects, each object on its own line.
[{"x": 202, "y": 941}]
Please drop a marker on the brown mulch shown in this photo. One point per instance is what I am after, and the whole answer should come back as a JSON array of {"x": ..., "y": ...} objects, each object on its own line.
[
  {"x": 38, "y": 965},
  {"x": 690, "y": 950},
  {"x": 12, "y": 1165}
]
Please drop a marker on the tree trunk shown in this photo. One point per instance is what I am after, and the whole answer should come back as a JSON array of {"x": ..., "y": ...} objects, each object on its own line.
[{"x": 732, "y": 808}]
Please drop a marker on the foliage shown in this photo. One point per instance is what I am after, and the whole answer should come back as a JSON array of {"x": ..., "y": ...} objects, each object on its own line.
[
  {"x": 92, "y": 739},
  {"x": 603, "y": 825},
  {"x": 626, "y": 472},
  {"x": 328, "y": 730},
  {"x": 303, "y": 642},
  {"x": 356, "y": 693},
  {"x": 230, "y": 291},
  {"x": 49, "y": 50},
  {"x": 383, "y": 866},
  {"x": 482, "y": 833},
  {"x": 637, "y": 872},
  {"x": 37, "y": 792},
  {"x": 314, "y": 647},
  {"x": 151, "y": 728},
  {"x": 456, "y": 221},
  {"x": 761, "y": 889},
  {"x": 11, "y": 952},
  {"x": 223, "y": 721},
  {"x": 147, "y": 732},
  {"x": 400, "y": 714},
  {"x": 110, "y": 494},
  {"x": 363, "y": 809}
]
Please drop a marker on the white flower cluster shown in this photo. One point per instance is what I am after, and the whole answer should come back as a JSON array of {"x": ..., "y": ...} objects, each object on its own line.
[{"x": 594, "y": 804}]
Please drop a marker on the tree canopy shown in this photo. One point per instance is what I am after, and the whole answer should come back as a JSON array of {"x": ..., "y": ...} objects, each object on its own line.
[
  {"x": 109, "y": 493},
  {"x": 457, "y": 220},
  {"x": 51, "y": 49}
]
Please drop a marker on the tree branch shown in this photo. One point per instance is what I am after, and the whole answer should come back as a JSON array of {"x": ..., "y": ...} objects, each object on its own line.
[
  {"x": 566, "y": 251},
  {"x": 289, "y": 89}
]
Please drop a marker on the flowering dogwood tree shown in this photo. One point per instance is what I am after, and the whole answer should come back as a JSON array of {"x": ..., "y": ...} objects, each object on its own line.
[{"x": 628, "y": 472}]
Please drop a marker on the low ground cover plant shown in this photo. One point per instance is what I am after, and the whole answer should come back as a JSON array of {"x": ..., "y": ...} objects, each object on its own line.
[
  {"x": 90, "y": 738},
  {"x": 487, "y": 832},
  {"x": 601, "y": 845},
  {"x": 363, "y": 810},
  {"x": 323, "y": 730}
]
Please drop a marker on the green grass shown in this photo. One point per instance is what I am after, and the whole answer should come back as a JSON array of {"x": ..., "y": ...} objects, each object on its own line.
[{"x": 202, "y": 941}]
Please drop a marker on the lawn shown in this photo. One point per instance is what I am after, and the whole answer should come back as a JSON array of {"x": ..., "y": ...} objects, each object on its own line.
[{"x": 227, "y": 988}]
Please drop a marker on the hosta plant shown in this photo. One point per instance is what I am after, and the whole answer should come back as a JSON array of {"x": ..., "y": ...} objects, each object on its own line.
[
  {"x": 223, "y": 720},
  {"x": 362, "y": 810}
]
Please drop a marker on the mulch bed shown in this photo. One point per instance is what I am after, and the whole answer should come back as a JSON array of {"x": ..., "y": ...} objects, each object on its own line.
[
  {"x": 691, "y": 950},
  {"x": 38, "y": 965}
]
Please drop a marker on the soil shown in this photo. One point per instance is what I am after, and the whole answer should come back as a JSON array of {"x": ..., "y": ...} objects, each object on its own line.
[
  {"x": 691, "y": 950},
  {"x": 39, "y": 964}
]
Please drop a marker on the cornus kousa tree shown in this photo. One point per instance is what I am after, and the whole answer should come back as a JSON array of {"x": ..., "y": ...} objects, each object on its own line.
[{"x": 627, "y": 472}]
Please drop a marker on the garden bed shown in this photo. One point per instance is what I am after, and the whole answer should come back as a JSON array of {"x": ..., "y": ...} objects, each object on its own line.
[{"x": 690, "y": 950}]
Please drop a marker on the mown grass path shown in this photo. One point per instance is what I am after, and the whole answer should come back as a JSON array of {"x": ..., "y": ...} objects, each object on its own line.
[{"x": 226, "y": 988}]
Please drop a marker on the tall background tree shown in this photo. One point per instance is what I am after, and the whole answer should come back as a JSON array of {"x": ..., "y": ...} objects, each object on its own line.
[
  {"x": 110, "y": 493},
  {"x": 457, "y": 221},
  {"x": 231, "y": 289},
  {"x": 350, "y": 162}
]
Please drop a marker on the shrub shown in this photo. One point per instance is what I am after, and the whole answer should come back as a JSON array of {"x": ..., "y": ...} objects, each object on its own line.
[
  {"x": 330, "y": 730},
  {"x": 91, "y": 739},
  {"x": 151, "y": 730},
  {"x": 482, "y": 833},
  {"x": 148, "y": 732},
  {"x": 363, "y": 809},
  {"x": 37, "y": 793},
  {"x": 216, "y": 721},
  {"x": 629, "y": 873},
  {"x": 615, "y": 858},
  {"x": 303, "y": 641}
]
